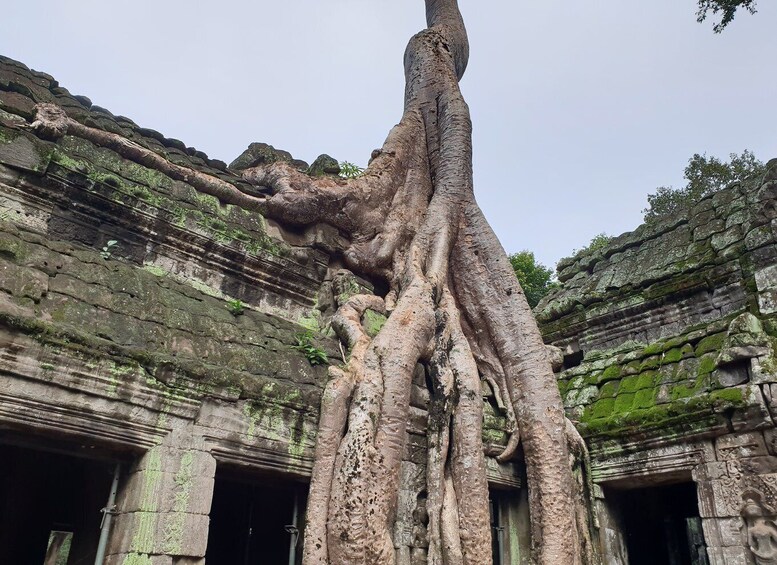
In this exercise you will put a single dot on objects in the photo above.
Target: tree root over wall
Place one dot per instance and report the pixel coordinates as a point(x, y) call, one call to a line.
point(453, 305)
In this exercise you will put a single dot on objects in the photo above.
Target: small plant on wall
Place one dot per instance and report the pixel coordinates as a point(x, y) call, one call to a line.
point(236, 307)
point(314, 355)
point(108, 250)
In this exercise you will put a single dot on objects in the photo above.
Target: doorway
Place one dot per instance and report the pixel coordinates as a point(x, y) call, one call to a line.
point(50, 506)
point(661, 524)
point(256, 522)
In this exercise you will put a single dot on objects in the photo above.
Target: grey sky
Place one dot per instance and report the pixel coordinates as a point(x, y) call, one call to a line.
point(580, 107)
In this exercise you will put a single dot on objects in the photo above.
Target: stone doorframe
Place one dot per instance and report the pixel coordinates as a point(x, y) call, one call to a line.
point(736, 485)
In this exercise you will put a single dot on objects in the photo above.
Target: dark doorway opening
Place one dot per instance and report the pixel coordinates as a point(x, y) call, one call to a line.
point(50, 506)
point(661, 524)
point(497, 529)
point(256, 522)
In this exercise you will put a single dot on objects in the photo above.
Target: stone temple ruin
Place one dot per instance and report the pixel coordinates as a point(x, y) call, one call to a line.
point(163, 358)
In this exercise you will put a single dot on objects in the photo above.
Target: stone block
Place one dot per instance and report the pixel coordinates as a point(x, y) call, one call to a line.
point(761, 373)
point(706, 499)
point(23, 153)
point(767, 301)
point(731, 531)
point(735, 556)
point(168, 459)
point(725, 500)
point(755, 415)
point(762, 465)
point(770, 438)
point(125, 558)
point(766, 278)
point(738, 446)
point(710, 471)
point(715, 555)
point(23, 282)
point(157, 491)
point(160, 533)
point(706, 230)
point(712, 534)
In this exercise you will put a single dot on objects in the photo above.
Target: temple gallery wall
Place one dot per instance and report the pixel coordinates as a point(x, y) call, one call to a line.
point(164, 355)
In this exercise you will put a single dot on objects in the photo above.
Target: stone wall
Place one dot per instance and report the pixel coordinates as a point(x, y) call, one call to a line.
point(669, 337)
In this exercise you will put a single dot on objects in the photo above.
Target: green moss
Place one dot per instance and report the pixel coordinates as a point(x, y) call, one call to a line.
point(623, 403)
point(491, 436)
point(610, 389)
point(155, 270)
point(7, 135)
point(645, 398)
point(706, 365)
point(610, 373)
point(137, 559)
point(672, 356)
point(630, 384)
point(12, 248)
point(652, 362)
point(712, 343)
point(373, 322)
point(733, 396)
point(601, 409)
point(311, 321)
point(75, 165)
point(652, 349)
point(648, 379)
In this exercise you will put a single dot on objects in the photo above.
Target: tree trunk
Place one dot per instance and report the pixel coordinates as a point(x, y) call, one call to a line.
point(454, 306)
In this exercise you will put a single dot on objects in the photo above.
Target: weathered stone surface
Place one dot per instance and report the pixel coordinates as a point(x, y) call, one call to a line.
point(324, 165)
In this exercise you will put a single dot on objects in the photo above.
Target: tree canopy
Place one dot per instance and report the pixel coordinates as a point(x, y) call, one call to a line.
point(727, 9)
point(705, 176)
point(536, 279)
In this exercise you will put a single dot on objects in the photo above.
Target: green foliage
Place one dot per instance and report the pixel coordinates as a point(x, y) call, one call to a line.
point(350, 171)
point(236, 307)
point(314, 355)
point(108, 250)
point(705, 176)
point(536, 279)
point(727, 8)
point(598, 241)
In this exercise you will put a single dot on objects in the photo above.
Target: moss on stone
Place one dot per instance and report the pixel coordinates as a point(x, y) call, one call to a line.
point(645, 398)
point(645, 380)
point(373, 322)
point(672, 356)
point(707, 364)
point(652, 349)
point(135, 558)
point(600, 409)
point(610, 373)
point(624, 403)
point(609, 389)
point(630, 384)
point(652, 362)
point(709, 344)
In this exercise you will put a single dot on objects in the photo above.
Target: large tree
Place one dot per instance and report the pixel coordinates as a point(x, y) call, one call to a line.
point(454, 307)
point(455, 312)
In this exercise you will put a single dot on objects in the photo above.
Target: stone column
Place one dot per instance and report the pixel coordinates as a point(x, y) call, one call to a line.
point(163, 505)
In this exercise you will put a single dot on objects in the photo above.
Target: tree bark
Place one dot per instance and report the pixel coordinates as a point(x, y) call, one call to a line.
point(455, 306)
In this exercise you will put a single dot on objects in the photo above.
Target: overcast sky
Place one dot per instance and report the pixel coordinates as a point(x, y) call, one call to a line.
point(580, 107)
